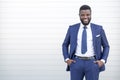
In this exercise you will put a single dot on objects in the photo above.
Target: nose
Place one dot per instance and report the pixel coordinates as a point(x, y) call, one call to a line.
point(85, 16)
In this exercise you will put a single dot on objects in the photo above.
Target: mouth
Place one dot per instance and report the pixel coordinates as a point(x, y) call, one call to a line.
point(85, 20)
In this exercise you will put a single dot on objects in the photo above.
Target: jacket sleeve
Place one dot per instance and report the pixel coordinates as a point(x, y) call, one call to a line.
point(65, 45)
point(105, 46)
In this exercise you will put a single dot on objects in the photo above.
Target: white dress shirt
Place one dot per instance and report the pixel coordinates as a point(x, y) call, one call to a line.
point(90, 49)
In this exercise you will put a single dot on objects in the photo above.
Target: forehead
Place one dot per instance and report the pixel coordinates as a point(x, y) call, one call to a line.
point(85, 11)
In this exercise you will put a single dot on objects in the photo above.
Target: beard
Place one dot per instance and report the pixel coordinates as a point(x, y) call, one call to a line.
point(85, 23)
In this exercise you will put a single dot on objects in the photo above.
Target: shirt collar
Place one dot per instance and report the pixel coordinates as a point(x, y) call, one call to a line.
point(88, 26)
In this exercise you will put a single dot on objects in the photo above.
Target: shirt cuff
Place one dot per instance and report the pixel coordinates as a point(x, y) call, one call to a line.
point(103, 61)
point(66, 59)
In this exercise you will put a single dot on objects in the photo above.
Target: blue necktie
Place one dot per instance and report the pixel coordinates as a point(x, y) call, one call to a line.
point(84, 41)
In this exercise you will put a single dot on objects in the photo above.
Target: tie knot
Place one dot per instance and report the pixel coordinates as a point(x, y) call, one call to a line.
point(85, 27)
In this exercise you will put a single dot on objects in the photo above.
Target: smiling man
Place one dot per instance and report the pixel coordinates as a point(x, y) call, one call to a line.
point(85, 48)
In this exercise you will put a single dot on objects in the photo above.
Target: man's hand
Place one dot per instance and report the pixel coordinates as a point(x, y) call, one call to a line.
point(99, 62)
point(70, 61)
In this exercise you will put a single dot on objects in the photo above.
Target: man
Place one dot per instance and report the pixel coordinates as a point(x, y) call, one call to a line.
point(85, 48)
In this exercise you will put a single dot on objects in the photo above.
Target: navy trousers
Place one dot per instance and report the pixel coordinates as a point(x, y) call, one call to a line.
point(84, 68)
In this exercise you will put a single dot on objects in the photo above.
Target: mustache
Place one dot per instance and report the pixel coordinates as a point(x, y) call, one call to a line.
point(82, 21)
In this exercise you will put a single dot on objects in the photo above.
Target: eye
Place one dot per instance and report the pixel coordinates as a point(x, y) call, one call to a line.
point(88, 14)
point(82, 15)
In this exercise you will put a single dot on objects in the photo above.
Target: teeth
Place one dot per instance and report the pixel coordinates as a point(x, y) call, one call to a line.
point(85, 20)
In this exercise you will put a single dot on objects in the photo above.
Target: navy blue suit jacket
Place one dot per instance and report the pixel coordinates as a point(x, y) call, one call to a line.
point(100, 43)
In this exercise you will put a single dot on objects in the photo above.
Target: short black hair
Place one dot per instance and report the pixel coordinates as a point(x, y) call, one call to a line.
point(84, 7)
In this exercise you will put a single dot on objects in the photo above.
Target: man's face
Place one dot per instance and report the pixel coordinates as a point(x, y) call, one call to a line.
point(85, 16)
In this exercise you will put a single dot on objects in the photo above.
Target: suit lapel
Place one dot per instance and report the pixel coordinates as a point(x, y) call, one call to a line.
point(94, 32)
point(74, 38)
point(76, 31)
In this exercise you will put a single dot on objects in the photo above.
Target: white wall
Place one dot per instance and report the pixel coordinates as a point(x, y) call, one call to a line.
point(32, 32)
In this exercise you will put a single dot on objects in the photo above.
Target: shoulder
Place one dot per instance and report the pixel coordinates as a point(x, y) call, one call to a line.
point(96, 26)
point(75, 25)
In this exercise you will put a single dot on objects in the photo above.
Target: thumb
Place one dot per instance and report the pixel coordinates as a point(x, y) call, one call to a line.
point(95, 61)
point(72, 60)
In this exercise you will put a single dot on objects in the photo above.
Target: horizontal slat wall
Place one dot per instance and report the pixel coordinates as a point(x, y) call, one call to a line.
point(32, 32)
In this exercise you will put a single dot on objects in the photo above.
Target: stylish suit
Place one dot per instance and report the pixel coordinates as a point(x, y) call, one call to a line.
point(100, 43)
